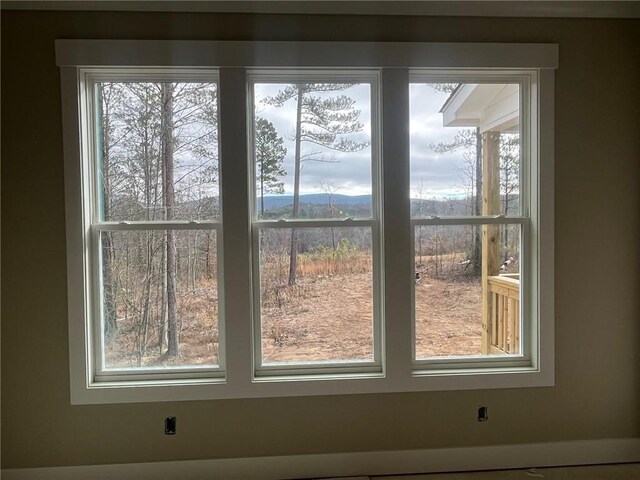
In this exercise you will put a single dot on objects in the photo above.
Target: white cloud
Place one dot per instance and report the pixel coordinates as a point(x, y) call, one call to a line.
point(440, 174)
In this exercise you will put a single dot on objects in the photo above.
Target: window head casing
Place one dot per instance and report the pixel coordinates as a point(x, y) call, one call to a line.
point(239, 371)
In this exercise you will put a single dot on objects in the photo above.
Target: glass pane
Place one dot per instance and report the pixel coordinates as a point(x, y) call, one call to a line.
point(450, 293)
point(157, 151)
point(325, 311)
point(465, 143)
point(313, 150)
point(160, 298)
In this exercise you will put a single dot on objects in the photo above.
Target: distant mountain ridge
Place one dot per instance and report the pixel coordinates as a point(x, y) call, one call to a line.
point(357, 204)
point(279, 201)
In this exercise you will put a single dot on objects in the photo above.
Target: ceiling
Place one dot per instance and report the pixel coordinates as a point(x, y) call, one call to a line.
point(503, 8)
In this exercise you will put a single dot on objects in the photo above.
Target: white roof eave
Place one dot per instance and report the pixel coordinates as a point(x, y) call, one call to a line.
point(492, 107)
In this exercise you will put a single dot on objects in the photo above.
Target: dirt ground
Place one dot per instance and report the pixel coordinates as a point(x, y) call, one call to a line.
point(332, 320)
point(325, 318)
point(448, 317)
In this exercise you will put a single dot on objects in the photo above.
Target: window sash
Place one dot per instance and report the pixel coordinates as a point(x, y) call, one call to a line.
point(159, 225)
point(96, 326)
point(526, 79)
point(88, 78)
point(330, 75)
point(319, 367)
point(527, 322)
point(308, 223)
point(475, 220)
point(289, 76)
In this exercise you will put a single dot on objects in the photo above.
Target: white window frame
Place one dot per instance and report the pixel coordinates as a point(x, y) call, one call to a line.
point(526, 81)
point(88, 78)
point(372, 78)
point(395, 62)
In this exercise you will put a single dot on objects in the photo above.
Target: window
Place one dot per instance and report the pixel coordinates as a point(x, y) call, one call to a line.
point(386, 212)
point(470, 217)
point(152, 215)
point(315, 151)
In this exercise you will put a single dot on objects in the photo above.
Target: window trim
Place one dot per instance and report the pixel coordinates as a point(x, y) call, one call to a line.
point(234, 59)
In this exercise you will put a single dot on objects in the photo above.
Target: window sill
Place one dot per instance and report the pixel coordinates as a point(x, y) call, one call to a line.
point(309, 385)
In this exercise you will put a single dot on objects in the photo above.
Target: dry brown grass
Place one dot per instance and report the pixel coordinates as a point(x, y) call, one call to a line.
point(198, 317)
point(327, 315)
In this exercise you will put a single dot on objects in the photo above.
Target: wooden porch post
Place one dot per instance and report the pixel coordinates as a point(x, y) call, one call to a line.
point(490, 233)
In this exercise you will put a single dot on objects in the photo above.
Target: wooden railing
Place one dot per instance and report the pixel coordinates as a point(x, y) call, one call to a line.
point(504, 313)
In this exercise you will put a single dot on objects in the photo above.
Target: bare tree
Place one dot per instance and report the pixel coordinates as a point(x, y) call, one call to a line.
point(109, 98)
point(509, 179)
point(330, 189)
point(421, 195)
point(173, 343)
point(470, 142)
point(445, 87)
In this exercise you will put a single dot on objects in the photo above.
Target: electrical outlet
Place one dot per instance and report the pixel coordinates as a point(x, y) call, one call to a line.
point(170, 426)
point(483, 413)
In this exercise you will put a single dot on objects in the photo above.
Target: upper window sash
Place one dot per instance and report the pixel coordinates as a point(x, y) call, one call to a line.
point(301, 76)
point(526, 79)
point(90, 79)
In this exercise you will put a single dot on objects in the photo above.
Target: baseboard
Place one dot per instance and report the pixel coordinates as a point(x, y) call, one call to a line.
point(581, 452)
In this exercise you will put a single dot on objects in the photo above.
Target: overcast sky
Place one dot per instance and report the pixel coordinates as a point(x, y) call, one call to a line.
point(350, 173)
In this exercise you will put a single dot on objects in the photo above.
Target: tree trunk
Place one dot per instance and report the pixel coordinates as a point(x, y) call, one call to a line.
point(261, 188)
point(477, 237)
point(293, 255)
point(110, 310)
point(110, 313)
point(162, 327)
point(147, 307)
point(208, 255)
point(173, 345)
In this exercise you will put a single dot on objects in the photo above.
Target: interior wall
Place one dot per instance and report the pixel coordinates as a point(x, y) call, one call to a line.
point(597, 392)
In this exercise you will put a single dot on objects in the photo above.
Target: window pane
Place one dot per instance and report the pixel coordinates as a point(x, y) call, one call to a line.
point(457, 132)
point(157, 151)
point(326, 313)
point(313, 150)
point(160, 309)
point(450, 293)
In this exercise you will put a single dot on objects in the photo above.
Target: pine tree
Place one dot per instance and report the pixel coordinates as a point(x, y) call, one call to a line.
point(270, 153)
point(323, 122)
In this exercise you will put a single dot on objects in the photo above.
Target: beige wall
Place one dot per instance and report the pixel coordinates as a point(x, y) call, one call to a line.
point(597, 392)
